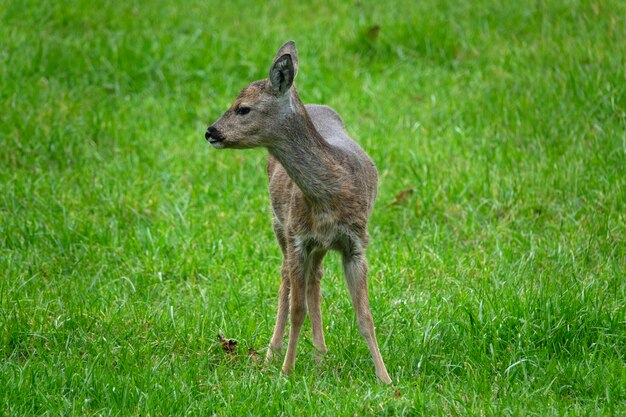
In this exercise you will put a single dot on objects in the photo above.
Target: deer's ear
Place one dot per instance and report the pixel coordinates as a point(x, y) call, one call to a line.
point(284, 68)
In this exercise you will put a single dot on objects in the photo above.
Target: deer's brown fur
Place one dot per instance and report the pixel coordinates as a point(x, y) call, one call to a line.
point(322, 191)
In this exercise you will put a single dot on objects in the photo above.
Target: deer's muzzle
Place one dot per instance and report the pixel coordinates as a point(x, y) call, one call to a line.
point(213, 135)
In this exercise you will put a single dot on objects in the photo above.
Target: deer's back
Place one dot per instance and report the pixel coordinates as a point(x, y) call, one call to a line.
point(329, 124)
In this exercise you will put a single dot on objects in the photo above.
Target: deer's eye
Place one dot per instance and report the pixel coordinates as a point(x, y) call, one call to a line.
point(242, 110)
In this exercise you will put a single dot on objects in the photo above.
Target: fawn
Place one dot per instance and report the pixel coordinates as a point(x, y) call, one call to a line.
point(322, 190)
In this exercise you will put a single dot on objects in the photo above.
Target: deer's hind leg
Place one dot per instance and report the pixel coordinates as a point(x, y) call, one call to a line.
point(355, 268)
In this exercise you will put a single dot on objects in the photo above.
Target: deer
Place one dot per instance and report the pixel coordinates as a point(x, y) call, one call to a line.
point(322, 188)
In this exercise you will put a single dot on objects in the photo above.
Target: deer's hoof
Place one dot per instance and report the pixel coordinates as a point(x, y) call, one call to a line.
point(319, 355)
point(384, 378)
point(272, 354)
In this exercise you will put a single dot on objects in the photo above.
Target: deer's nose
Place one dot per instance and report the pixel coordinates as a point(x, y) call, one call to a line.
point(213, 135)
point(210, 131)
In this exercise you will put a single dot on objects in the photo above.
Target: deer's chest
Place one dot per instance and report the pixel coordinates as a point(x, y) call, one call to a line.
point(305, 224)
point(319, 225)
point(322, 227)
point(324, 230)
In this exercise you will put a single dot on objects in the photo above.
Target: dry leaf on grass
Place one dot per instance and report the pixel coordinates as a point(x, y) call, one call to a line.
point(254, 356)
point(372, 32)
point(401, 196)
point(229, 345)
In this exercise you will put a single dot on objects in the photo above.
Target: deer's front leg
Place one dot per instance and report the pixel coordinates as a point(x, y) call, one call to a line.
point(276, 343)
point(314, 300)
point(296, 265)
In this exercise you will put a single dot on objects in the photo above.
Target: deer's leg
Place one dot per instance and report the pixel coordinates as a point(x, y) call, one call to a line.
point(314, 300)
point(276, 343)
point(296, 266)
point(355, 268)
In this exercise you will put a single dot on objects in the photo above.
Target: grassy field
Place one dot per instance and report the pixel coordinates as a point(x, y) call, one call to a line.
point(498, 253)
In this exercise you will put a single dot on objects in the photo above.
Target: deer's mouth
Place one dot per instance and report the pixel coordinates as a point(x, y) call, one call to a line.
point(218, 144)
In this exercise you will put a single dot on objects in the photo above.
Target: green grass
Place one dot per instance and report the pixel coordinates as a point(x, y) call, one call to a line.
point(126, 244)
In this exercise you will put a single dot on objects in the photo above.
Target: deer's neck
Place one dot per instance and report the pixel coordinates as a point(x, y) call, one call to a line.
point(308, 159)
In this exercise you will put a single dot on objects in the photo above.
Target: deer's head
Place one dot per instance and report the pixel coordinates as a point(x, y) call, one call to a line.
point(260, 109)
